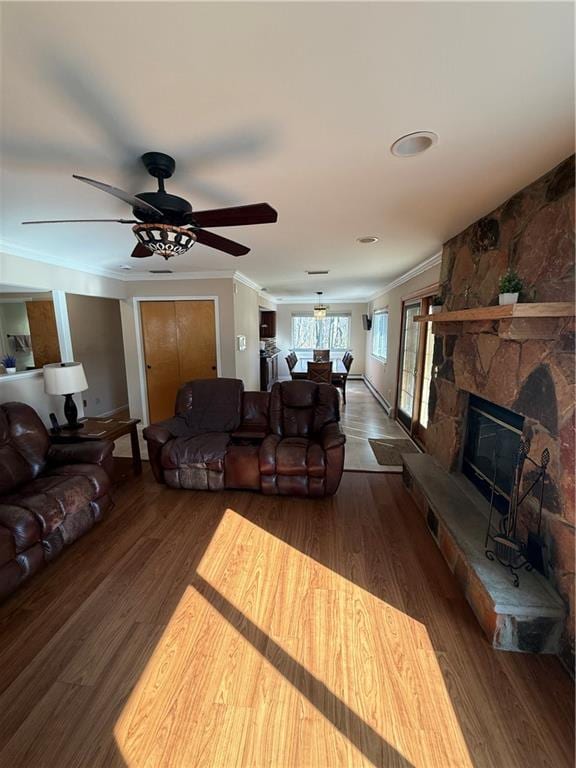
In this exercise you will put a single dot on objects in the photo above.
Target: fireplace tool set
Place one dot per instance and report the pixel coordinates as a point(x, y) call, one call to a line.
point(502, 544)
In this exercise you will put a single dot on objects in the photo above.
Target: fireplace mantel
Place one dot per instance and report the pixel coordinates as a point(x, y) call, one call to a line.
point(505, 312)
point(511, 321)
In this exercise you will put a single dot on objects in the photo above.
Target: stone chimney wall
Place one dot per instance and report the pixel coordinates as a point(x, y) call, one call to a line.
point(534, 374)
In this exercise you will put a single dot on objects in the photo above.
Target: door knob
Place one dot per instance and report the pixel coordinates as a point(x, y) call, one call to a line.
point(213, 367)
point(149, 367)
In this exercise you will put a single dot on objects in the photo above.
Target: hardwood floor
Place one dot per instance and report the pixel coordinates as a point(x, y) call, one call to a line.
point(231, 629)
point(363, 417)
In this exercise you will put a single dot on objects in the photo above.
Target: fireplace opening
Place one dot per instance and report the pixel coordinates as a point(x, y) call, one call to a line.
point(490, 449)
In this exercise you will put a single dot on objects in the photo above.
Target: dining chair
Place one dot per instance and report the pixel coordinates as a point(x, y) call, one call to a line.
point(320, 373)
point(340, 380)
point(291, 360)
point(321, 355)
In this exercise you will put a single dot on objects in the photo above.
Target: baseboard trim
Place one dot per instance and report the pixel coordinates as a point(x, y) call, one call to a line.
point(383, 402)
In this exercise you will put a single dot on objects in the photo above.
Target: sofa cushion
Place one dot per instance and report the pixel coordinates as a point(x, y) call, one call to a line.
point(97, 476)
point(22, 524)
point(208, 405)
point(206, 450)
point(291, 456)
point(302, 408)
point(24, 443)
point(7, 545)
point(52, 499)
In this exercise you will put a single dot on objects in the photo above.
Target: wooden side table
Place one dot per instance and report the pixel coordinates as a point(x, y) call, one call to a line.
point(104, 429)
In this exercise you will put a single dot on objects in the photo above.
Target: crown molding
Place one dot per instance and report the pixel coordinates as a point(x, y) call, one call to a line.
point(12, 249)
point(431, 261)
point(284, 301)
point(240, 277)
point(138, 277)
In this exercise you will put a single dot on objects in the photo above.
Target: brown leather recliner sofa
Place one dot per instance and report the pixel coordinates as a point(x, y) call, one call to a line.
point(50, 495)
point(284, 442)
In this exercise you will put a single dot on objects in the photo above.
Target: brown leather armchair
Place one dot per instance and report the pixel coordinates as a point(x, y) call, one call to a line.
point(304, 455)
point(50, 495)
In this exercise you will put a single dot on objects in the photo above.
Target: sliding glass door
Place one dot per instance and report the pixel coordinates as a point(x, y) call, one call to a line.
point(408, 363)
point(415, 369)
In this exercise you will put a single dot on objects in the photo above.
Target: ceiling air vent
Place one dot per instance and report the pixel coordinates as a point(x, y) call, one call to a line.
point(161, 271)
point(317, 271)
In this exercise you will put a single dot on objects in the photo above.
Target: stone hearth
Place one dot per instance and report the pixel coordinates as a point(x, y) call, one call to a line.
point(530, 371)
point(525, 618)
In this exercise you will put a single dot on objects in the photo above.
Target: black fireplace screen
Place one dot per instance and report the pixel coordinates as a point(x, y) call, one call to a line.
point(491, 447)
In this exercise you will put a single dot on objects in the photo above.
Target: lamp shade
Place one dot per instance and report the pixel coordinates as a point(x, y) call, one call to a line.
point(64, 378)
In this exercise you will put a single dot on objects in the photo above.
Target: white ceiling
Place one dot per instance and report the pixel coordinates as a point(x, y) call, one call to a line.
point(296, 104)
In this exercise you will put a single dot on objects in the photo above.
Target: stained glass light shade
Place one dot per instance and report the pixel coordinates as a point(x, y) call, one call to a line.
point(165, 239)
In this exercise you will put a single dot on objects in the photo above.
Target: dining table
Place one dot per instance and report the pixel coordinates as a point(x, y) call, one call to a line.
point(300, 370)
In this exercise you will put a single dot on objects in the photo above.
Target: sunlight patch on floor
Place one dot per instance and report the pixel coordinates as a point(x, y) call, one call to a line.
point(272, 658)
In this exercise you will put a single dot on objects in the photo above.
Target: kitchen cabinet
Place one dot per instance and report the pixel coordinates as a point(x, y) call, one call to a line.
point(267, 324)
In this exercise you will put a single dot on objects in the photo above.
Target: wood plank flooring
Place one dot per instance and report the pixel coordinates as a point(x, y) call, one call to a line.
point(192, 629)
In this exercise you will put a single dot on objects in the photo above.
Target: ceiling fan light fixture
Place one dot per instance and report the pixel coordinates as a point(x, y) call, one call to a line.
point(165, 239)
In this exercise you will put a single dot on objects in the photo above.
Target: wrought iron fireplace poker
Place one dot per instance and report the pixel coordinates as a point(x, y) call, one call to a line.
point(503, 544)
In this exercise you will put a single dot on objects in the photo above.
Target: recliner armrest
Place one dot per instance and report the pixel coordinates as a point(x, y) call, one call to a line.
point(87, 452)
point(156, 433)
point(332, 436)
point(267, 455)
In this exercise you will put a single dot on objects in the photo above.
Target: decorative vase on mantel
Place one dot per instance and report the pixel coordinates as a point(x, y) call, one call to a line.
point(508, 298)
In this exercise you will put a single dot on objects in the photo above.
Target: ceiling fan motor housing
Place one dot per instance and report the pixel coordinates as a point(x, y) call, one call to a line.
point(174, 208)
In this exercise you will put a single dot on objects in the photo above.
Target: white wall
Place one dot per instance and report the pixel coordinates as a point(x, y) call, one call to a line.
point(383, 375)
point(247, 323)
point(357, 333)
point(29, 273)
point(96, 334)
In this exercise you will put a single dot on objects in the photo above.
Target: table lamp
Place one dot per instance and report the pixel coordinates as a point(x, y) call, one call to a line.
point(66, 379)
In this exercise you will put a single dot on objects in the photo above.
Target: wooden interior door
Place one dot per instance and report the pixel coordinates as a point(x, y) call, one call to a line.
point(160, 337)
point(179, 345)
point(196, 327)
point(43, 332)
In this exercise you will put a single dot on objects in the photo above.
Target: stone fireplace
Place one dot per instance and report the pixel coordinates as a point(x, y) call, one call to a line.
point(524, 365)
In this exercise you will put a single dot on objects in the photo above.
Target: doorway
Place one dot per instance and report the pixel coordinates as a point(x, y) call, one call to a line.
point(179, 344)
point(415, 368)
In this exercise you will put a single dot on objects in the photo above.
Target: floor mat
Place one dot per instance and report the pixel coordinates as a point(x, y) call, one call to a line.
point(388, 451)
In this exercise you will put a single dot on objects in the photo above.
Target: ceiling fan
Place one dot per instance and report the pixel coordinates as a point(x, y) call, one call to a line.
point(166, 224)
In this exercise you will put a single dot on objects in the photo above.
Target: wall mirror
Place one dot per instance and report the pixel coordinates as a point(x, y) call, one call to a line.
point(28, 331)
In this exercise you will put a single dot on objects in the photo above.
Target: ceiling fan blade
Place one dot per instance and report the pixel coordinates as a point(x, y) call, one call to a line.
point(82, 221)
point(259, 213)
point(220, 243)
point(141, 252)
point(132, 200)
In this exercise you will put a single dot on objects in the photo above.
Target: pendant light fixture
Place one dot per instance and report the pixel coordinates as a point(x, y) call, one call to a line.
point(320, 308)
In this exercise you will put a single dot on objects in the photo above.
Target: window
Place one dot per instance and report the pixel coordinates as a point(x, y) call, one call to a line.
point(380, 334)
point(330, 332)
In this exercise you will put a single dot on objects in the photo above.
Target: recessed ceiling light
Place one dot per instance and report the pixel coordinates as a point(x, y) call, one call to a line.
point(367, 239)
point(127, 267)
point(317, 271)
point(161, 271)
point(413, 143)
